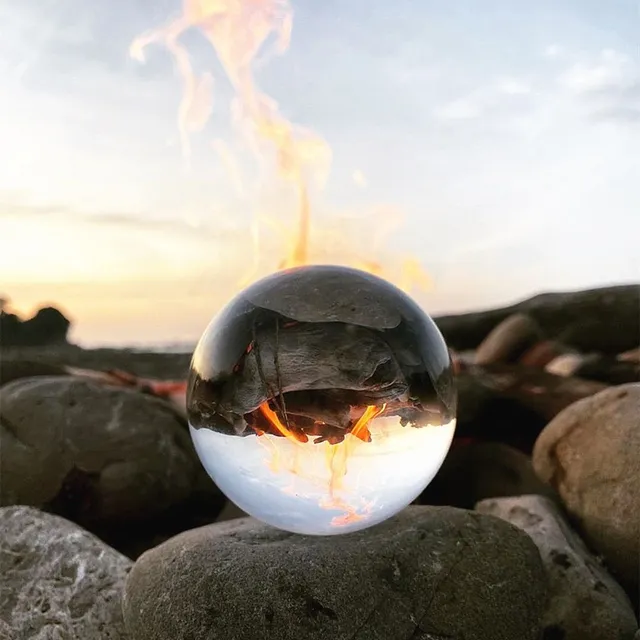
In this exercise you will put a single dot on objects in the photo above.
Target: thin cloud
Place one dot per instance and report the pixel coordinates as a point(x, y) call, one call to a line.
point(610, 70)
point(12, 208)
point(553, 51)
point(608, 86)
point(504, 94)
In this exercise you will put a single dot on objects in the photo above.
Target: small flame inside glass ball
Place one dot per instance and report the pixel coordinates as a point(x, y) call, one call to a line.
point(321, 400)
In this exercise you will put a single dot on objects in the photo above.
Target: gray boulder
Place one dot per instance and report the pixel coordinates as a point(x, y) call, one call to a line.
point(6, 632)
point(590, 453)
point(57, 581)
point(90, 452)
point(430, 572)
point(585, 602)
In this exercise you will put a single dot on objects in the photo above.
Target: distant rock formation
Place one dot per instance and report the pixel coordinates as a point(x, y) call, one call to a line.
point(606, 320)
point(47, 327)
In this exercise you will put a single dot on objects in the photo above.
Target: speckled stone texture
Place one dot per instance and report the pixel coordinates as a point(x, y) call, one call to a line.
point(57, 581)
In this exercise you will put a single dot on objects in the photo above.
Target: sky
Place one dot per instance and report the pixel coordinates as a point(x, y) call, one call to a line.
point(494, 142)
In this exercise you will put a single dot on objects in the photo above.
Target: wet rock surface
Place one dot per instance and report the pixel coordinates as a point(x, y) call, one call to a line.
point(585, 602)
point(427, 573)
point(57, 580)
point(589, 453)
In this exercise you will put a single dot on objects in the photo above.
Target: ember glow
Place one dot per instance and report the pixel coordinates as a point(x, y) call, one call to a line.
point(239, 31)
point(336, 449)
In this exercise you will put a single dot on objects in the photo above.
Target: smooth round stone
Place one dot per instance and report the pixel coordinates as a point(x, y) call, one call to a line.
point(429, 572)
point(590, 453)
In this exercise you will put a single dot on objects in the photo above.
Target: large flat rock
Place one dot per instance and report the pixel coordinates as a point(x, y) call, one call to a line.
point(429, 573)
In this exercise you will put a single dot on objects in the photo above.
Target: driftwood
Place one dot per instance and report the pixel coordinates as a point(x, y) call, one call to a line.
point(605, 320)
point(306, 357)
point(543, 392)
point(512, 404)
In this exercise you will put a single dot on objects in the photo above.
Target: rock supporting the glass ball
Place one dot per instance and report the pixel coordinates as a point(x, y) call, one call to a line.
point(321, 399)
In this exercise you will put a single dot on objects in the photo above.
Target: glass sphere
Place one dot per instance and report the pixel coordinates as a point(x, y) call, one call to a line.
point(321, 400)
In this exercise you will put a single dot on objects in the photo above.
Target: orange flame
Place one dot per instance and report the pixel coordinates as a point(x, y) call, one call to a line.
point(337, 455)
point(238, 31)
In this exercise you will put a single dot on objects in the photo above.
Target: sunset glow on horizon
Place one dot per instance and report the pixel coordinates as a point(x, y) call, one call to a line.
point(493, 148)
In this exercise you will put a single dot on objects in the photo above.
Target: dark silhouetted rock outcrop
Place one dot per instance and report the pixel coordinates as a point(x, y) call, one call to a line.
point(47, 327)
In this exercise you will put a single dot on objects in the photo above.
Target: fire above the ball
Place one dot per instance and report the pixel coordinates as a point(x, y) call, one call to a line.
point(342, 383)
point(243, 33)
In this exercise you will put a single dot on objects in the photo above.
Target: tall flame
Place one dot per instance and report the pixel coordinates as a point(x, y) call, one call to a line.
point(238, 30)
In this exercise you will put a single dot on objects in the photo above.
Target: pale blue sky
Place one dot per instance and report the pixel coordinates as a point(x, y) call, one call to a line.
point(506, 132)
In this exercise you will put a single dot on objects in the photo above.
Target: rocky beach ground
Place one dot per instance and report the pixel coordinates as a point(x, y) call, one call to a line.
point(110, 528)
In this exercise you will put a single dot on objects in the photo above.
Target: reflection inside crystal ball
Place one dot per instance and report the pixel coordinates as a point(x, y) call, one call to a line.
point(321, 400)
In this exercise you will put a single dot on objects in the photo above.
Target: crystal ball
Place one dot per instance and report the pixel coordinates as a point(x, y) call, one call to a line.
point(321, 400)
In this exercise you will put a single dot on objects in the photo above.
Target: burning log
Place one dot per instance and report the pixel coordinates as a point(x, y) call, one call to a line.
point(300, 347)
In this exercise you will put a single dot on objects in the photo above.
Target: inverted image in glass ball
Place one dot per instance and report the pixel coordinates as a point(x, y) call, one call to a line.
point(321, 400)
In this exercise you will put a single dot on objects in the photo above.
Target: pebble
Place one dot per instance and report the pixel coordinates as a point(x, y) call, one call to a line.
point(542, 353)
point(589, 454)
point(57, 581)
point(565, 365)
point(429, 572)
point(585, 602)
point(509, 340)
